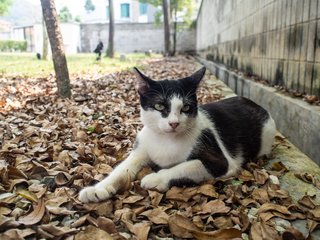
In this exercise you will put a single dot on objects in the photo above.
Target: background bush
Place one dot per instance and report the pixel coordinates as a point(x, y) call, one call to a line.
point(10, 45)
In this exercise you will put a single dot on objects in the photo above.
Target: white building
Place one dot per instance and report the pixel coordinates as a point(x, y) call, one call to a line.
point(124, 11)
point(5, 30)
point(34, 36)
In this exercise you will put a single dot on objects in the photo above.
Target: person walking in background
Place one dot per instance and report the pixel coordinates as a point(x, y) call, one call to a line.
point(98, 50)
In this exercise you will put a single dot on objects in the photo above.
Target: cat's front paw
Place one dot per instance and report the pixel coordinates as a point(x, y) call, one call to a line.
point(96, 194)
point(155, 181)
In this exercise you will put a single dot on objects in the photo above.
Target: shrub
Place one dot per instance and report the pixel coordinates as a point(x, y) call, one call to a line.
point(11, 45)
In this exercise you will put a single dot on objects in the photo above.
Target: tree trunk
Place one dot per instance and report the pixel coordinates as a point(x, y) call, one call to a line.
point(175, 26)
point(57, 49)
point(45, 42)
point(174, 38)
point(110, 49)
point(166, 21)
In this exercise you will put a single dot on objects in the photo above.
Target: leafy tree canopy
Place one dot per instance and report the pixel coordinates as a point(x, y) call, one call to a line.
point(182, 9)
point(89, 7)
point(65, 15)
point(77, 18)
point(4, 6)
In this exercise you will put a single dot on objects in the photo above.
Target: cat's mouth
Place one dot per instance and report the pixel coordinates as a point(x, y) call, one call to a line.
point(171, 131)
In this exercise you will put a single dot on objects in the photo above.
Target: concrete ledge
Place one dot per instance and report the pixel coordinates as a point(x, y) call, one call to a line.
point(296, 120)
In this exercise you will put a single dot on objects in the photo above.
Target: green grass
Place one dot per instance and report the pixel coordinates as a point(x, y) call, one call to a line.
point(28, 65)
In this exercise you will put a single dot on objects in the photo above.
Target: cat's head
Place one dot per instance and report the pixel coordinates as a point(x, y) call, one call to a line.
point(169, 106)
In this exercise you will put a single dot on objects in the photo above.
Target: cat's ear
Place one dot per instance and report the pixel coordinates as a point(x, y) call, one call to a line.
point(198, 76)
point(144, 82)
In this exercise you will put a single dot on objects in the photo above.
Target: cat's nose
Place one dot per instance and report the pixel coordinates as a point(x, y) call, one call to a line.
point(174, 125)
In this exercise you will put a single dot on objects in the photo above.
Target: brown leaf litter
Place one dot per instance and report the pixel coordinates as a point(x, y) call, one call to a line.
point(50, 148)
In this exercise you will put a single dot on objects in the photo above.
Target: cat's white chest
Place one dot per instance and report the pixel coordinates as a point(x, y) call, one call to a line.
point(166, 150)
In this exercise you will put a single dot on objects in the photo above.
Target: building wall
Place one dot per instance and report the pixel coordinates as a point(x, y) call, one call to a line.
point(70, 34)
point(277, 40)
point(133, 37)
point(100, 13)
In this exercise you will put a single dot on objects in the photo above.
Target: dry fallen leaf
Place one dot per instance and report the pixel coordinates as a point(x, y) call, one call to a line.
point(140, 230)
point(308, 201)
point(181, 226)
point(260, 195)
point(28, 195)
point(16, 234)
point(222, 234)
point(92, 233)
point(180, 194)
point(107, 225)
point(35, 216)
point(260, 176)
point(274, 208)
point(214, 207)
point(292, 234)
point(54, 231)
point(157, 216)
point(261, 231)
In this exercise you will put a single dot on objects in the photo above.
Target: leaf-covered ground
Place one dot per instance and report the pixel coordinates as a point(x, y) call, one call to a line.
point(50, 148)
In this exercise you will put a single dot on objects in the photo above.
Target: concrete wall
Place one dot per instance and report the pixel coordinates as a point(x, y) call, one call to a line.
point(133, 37)
point(100, 13)
point(70, 34)
point(276, 40)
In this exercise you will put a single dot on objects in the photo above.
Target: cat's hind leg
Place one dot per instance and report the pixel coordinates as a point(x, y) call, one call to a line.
point(189, 171)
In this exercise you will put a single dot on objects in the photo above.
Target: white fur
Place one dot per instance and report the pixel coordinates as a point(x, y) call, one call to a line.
point(169, 149)
point(193, 170)
point(126, 170)
point(267, 136)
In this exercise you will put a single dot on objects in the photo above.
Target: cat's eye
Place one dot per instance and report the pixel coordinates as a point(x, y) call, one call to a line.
point(185, 108)
point(159, 107)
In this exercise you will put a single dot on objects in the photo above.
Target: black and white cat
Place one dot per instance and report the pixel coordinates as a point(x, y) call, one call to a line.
point(189, 143)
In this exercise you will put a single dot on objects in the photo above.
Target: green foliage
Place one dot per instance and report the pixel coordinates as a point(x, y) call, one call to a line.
point(77, 18)
point(4, 6)
point(89, 7)
point(183, 8)
point(10, 45)
point(65, 15)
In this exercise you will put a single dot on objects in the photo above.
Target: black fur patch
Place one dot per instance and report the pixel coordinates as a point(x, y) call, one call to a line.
point(155, 167)
point(209, 153)
point(239, 123)
point(182, 182)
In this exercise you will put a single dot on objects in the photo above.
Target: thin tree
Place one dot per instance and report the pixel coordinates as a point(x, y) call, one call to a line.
point(175, 24)
point(166, 21)
point(110, 48)
point(183, 8)
point(57, 49)
point(44, 41)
